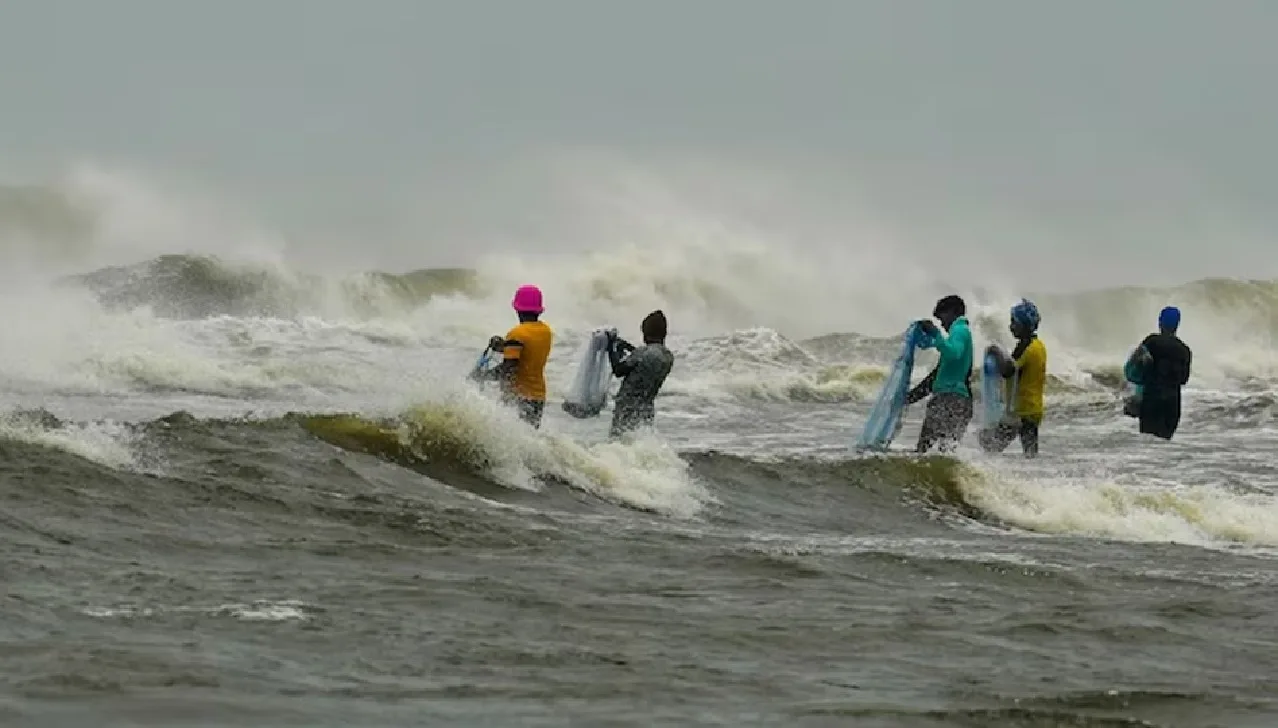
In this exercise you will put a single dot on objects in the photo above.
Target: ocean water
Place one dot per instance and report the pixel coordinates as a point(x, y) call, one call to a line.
point(236, 493)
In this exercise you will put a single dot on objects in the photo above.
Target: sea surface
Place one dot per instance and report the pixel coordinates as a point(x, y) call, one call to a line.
point(234, 497)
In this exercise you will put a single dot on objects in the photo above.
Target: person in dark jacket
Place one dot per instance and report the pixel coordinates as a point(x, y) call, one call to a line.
point(1163, 361)
point(642, 371)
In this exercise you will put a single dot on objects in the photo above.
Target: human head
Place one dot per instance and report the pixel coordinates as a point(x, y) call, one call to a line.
point(948, 310)
point(1169, 320)
point(1025, 319)
point(527, 303)
point(654, 327)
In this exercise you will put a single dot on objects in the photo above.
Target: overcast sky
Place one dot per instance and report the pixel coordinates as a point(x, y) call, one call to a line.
point(1139, 133)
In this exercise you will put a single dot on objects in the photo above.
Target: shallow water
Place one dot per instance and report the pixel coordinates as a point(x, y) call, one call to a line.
point(227, 565)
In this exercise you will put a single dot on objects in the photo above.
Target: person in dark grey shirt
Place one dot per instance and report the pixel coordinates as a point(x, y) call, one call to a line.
point(642, 371)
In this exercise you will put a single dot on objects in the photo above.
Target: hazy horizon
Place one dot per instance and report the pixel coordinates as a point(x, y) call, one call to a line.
point(1071, 146)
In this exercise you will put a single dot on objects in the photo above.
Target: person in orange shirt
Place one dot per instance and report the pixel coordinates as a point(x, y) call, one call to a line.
point(525, 349)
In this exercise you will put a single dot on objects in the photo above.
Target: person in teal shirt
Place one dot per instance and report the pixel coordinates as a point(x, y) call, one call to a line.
point(949, 411)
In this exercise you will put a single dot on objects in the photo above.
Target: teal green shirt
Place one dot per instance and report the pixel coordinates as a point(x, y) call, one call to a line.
point(956, 358)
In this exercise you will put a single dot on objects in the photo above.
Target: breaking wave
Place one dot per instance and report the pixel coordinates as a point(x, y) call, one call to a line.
point(194, 287)
point(182, 258)
point(470, 443)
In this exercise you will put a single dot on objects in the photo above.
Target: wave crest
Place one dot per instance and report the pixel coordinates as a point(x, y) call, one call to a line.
point(469, 439)
point(197, 286)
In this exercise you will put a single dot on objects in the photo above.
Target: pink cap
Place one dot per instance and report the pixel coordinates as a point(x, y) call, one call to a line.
point(528, 300)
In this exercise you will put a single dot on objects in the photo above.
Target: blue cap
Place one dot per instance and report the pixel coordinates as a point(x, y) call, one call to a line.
point(1026, 314)
point(1169, 318)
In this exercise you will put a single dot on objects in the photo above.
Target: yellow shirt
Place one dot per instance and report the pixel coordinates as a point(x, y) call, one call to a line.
point(1031, 378)
point(529, 343)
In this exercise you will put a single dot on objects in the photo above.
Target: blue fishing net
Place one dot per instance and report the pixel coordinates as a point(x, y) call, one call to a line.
point(994, 402)
point(589, 391)
point(885, 419)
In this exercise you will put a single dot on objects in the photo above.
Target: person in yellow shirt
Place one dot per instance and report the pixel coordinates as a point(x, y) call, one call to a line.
point(1026, 370)
point(525, 349)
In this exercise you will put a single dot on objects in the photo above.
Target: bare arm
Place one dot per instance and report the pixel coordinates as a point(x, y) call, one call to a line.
point(923, 389)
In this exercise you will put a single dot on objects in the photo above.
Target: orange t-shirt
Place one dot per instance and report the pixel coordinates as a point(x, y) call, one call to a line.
point(530, 343)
